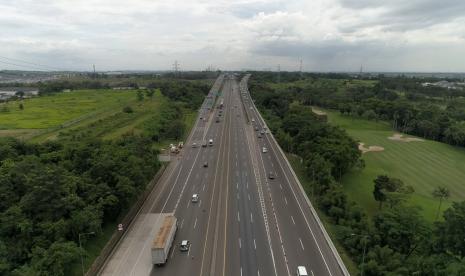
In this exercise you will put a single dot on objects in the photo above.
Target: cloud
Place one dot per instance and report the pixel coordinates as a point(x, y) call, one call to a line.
point(335, 35)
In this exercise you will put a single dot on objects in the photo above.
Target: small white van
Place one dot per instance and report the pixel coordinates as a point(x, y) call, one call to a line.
point(302, 271)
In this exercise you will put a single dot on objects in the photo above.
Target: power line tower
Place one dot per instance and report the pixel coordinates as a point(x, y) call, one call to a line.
point(279, 72)
point(176, 68)
point(300, 68)
point(361, 71)
point(94, 75)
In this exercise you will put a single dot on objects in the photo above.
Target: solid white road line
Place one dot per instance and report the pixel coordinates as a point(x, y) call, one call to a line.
point(240, 243)
point(238, 218)
point(293, 220)
point(301, 244)
point(254, 244)
point(195, 223)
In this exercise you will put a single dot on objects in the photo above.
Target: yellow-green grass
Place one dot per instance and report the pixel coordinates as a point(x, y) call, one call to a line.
point(423, 165)
point(55, 110)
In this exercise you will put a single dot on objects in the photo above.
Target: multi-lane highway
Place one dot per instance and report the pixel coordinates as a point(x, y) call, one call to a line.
point(244, 222)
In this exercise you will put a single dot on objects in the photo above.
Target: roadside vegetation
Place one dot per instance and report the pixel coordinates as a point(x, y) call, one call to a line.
point(97, 153)
point(391, 235)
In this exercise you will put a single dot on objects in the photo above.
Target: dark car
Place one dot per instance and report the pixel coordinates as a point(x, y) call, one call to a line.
point(271, 175)
point(205, 164)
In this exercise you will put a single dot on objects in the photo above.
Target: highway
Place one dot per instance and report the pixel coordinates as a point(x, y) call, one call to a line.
point(244, 223)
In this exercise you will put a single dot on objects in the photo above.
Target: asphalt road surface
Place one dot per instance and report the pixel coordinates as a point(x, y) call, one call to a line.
point(244, 223)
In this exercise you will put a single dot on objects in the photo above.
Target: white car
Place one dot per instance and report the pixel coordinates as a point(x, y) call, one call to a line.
point(195, 198)
point(194, 145)
point(185, 245)
point(302, 271)
point(264, 150)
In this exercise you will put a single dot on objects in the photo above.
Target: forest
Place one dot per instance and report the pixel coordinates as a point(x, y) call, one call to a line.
point(397, 241)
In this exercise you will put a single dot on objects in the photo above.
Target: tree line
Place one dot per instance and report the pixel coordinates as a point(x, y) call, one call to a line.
point(397, 240)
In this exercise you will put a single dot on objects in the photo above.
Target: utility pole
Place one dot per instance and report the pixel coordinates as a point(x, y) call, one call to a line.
point(300, 68)
point(361, 71)
point(94, 75)
point(176, 68)
point(80, 248)
point(279, 73)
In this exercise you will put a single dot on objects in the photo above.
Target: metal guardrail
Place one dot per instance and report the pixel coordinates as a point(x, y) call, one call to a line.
point(328, 240)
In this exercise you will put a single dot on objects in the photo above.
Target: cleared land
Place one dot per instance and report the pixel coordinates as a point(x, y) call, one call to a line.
point(423, 165)
point(95, 112)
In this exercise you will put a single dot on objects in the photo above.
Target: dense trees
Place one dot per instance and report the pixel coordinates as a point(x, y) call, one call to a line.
point(50, 193)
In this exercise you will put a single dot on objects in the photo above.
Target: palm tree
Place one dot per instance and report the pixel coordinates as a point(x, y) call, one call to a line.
point(441, 193)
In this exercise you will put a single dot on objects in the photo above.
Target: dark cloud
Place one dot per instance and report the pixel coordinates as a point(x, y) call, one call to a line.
point(404, 15)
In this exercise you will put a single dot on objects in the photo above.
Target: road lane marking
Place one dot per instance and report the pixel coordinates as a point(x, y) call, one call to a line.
point(254, 244)
point(301, 244)
point(293, 220)
point(238, 218)
point(248, 196)
point(195, 223)
point(240, 243)
point(281, 187)
point(251, 218)
point(182, 222)
point(285, 199)
point(203, 188)
point(200, 203)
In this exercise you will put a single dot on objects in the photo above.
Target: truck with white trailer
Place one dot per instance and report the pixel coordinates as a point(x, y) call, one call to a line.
point(163, 240)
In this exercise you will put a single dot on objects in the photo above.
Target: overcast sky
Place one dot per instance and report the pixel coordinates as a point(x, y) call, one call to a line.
point(328, 35)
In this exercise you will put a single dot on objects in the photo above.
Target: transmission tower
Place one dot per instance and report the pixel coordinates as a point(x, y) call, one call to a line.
point(176, 68)
point(300, 68)
point(279, 72)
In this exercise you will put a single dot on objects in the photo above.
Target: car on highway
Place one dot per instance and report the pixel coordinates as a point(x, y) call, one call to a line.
point(301, 271)
point(205, 164)
point(194, 145)
point(210, 142)
point(256, 128)
point(253, 120)
point(271, 175)
point(195, 198)
point(259, 135)
point(217, 119)
point(185, 245)
point(204, 144)
point(264, 150)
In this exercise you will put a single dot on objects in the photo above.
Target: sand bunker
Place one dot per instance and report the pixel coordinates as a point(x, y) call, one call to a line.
point(399, 137)
point(363, 149)
point(318, 112)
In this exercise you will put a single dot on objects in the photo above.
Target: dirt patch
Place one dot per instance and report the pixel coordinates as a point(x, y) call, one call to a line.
point(400, 137)
point(363, 149)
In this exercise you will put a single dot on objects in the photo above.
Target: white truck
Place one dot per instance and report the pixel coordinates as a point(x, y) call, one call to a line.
point(164, 238)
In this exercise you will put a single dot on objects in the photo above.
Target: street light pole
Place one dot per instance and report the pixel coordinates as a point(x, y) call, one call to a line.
point(364, 250)
point(363, 256)
point(80, 248)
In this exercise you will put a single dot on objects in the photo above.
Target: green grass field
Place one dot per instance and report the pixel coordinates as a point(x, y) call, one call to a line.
point(423, 165)
point(54, 110)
